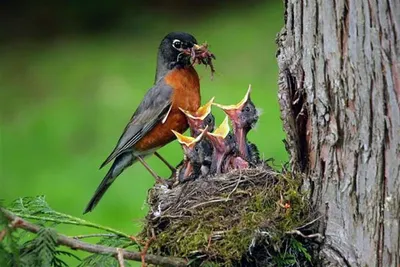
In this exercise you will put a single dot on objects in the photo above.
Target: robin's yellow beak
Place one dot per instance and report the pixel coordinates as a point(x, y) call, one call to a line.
point(197, 47)
point(238, 105)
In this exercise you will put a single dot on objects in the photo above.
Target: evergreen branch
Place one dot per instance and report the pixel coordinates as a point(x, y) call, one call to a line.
point(93, 235)
point(72, 220)
point(92, 248)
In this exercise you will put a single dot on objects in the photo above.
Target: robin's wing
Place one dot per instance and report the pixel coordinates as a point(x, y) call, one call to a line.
point(154, 108)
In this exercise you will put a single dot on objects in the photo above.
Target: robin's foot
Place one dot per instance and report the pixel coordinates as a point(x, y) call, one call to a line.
point(172, 176)
point(160, 180)
point(173, 170)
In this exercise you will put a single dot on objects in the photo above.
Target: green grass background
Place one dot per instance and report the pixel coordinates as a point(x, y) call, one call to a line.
point(65, 103)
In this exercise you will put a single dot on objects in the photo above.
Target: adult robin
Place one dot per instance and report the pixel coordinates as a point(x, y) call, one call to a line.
point(176, 86)
point(198, 153)
point(224, 145)
point(244, 117)
point(200, 119)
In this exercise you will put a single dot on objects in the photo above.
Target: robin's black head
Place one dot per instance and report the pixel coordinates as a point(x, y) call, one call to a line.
point(175, 48)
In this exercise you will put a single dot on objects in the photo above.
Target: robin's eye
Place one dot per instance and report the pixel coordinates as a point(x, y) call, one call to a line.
point(196, 149)
point(209, 120)
point(177, 44)
point(247, 109)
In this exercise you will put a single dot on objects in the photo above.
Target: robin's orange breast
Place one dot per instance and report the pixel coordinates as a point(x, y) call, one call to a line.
point(186, 95)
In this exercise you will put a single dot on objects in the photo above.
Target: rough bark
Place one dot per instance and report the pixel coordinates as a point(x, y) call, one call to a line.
point(340, 97)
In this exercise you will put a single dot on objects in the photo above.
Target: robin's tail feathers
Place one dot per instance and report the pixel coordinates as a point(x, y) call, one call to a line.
point(120, 164)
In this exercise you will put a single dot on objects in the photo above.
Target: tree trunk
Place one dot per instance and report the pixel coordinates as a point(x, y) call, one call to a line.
point(340, 104)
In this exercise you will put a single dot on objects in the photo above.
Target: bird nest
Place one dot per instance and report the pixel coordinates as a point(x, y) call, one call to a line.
point(241, 218)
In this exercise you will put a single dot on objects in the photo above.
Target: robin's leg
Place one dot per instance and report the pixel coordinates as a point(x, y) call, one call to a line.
point(165, 161)
point(158, 178)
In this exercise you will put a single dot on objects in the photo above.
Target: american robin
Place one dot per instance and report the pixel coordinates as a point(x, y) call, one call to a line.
point(224, 145)
point(243, 116)
point(198, 155)
point(176, 86)
point(200, 119)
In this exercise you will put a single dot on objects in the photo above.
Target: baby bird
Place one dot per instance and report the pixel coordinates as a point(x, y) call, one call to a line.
point(200, 119)
point(197, 156)
point(223, 144)
point(243, 116)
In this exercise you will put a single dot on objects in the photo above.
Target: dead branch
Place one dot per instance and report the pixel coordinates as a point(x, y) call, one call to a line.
point(120, 257)
point(63, 240)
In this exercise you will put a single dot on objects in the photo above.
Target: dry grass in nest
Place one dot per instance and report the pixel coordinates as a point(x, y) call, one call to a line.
point(242, 217)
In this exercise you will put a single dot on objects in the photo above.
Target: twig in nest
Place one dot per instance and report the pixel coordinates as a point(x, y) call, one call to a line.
point(236, 186)
point(209, 202)
point(297, 232)
point(309, 223)
point(120, 257)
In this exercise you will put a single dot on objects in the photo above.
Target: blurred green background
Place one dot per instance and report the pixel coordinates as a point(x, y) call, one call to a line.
point(70, 78)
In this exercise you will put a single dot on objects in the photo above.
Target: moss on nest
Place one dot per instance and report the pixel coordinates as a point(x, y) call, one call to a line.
point(239, 218)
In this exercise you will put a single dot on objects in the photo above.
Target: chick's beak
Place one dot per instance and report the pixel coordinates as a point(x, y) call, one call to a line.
point(217, 142)
point(217, 138)
point(204, 110)
point(233, 111)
